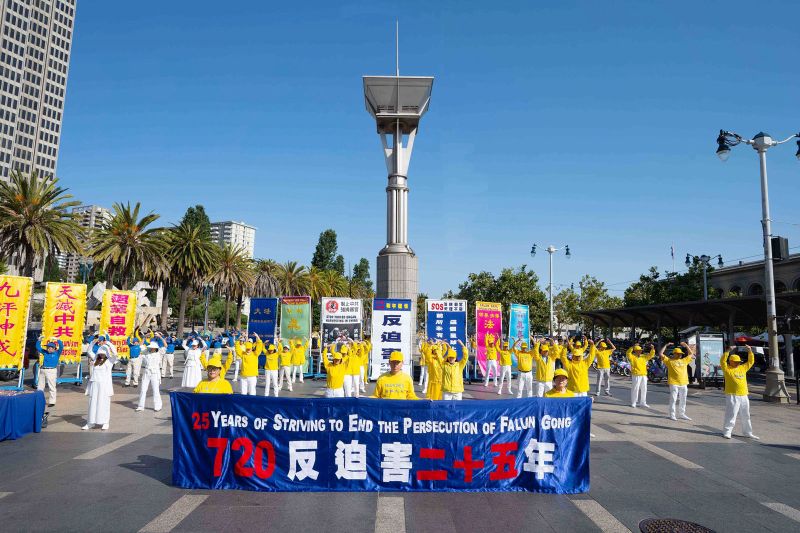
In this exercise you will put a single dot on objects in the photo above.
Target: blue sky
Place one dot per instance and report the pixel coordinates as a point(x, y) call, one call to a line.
point(591, 124)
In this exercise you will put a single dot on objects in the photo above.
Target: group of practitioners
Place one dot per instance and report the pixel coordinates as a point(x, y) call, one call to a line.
point(550, 368)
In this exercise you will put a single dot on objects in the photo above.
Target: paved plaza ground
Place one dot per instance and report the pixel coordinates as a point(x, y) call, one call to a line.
point(642, 466)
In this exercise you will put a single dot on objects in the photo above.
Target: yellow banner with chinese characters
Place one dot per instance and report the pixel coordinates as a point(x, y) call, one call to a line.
point(64, 318)
point(117, 318)
point(15, 301)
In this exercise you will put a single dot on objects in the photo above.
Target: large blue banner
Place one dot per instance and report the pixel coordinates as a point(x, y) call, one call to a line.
point(330, 444)
point(263, 318)
point(446, 320)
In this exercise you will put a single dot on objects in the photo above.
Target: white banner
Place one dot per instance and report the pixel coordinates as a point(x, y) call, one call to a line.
point(341, 320)
point(391, 331)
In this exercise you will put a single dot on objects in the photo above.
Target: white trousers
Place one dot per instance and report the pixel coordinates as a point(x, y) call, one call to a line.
point(525, 380)
point(505, 374)
point(134, 367)
point(491, 364)
point(733, 406)
point(677, 394)
point(451, 396)
point(364, 379)
point(168, 360)
point(423, 377)
point(297, 370)
point(47, 376)
point(577, 394)
point(272, 377)
point(334, 393)
point(248, 385)
point(283, 373)
point(603, 374)
point(147, 381)
point(351, 386)
point(235, 369)
point(542, 387)
point(639, 390)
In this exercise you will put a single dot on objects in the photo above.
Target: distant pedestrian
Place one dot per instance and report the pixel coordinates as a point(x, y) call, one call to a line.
point(736, 392)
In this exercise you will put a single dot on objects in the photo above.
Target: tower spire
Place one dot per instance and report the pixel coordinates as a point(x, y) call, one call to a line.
point(397, 46)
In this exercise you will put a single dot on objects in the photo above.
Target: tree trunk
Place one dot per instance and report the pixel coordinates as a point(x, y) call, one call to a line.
point(182, 312)
point(227, 309)
point(29, 263)
point(239, 302)
point(164, 305)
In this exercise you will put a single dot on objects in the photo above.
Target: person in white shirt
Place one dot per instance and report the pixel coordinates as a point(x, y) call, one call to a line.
point(193, 368)
point(151, 361)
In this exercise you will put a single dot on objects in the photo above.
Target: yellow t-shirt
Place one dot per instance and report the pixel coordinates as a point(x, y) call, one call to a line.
point(505, 357)
point(639, 362)
point(524, 361)
point(545, 364)
point(272, 360)
point(335, 373)
point(553, 393)
point(395, 387)
point(676, 370)
point(299, 354)
point(453, 375)
point(578, 372)
point(435, 363)
point(285, 357)
point(604, 358)
point(736, 378)
point(219, 386)
point(249, 359)
point(354, 361)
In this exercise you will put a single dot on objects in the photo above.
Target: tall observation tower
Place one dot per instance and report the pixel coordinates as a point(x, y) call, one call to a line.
point(397, 104)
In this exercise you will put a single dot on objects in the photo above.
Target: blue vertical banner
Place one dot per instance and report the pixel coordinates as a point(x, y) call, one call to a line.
point(519, 325)
point(263, 318)
point(391, 332)
point(446, 320)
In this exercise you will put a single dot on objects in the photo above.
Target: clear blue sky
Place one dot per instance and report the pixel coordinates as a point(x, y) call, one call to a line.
point(586, 123)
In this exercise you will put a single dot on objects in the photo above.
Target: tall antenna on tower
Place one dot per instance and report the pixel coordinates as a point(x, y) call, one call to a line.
point(397, 45)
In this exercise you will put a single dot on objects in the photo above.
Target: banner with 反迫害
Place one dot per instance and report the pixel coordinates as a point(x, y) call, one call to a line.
point(340, 319)
point(488, 324)
point(446, 320)
point(296, 322)
point(263, 318)
point(15, 301)
point(391, 332)
point(118, 317)
point(227, 441)
point(64, 317)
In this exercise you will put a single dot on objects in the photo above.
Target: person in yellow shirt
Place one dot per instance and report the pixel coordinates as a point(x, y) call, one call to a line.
point(215, 384)
point(335, 370)
point(285, 360)
point(736, 392)
point(603, 353)
point(578, 369)
point(559, 388)
point(491, 358)
point(578, 346)
point(423, 365)
point(298, 349)
point(365, 355)
point(504, 354)
point(677, 377)
point(453, 373)
point(435, 370)
point(248, 353)
point(545, 365)
point(525, 367)
point(638, 362)
point(271, 367)
point(352, 373)
point(395, 384)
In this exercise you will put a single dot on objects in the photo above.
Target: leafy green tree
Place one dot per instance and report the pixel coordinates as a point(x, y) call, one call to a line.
point(653, 288)
point(421, 311)
point(35, 220)
point(324, 257)
point(232, 275)
point(196, 217)
point(338, 265)
point(566, 308)
point(361, 274)
point(52, 272)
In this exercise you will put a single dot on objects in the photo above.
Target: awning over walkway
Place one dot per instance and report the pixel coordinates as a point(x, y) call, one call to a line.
point(746, 311)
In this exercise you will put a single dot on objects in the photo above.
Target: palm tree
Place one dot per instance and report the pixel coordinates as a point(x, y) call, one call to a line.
point(127, 246)
point(293, 279)
point(266, 281)
point(193, 257)
point(35, 220)
point(232, 275)
point(318, 284)
point(335, 283)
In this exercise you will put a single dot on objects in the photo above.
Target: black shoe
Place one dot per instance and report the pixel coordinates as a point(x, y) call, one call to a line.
point(51, 405)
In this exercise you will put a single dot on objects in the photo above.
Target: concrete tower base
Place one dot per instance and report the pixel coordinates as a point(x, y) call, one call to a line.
point(397, 278)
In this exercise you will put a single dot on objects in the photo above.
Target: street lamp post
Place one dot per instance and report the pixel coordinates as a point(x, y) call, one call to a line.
point(704, 260)
point(551, 250)
point(775, 390)
point(207, 291)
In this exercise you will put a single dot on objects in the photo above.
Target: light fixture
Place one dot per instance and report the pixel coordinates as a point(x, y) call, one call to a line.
point(567, 249)
point(720, 264)
point(797, 155)
point(533, 251)
point(723, 149)
point(688, 261)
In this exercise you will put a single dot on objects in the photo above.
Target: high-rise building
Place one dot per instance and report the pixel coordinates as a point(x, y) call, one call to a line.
point(35, 47)
point(235, 234)
point(90, 217)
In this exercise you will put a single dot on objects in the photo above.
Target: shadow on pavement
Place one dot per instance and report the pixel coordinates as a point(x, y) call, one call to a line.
point(690, 429)
point(153, 467)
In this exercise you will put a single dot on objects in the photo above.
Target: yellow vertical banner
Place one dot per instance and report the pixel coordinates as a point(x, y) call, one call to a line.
point(117, 318)
point(15, 301)
point(64, 317)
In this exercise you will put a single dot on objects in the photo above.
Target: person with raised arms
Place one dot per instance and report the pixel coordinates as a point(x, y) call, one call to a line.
point(100, 388)
point(677, 378)
point(504, 354)
point(545, 355)
point(395, 384)
point(491, 358)
point(525, 366)
point(134, 366)
point(335, 369)
point(49, 358)
point(169, 357)
point(193, 347)
point(423, 365)
point(435, 370)
point(578, 367)
point(215, 383)
point(352, 374)
point(639, 373)
point(151, 362)
point(271, 368)
point(285, 359)
point(736, 392)
point(299, 348)
point(365, 355)
point(453, 373)
point(603, 353)
point(248, 355)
